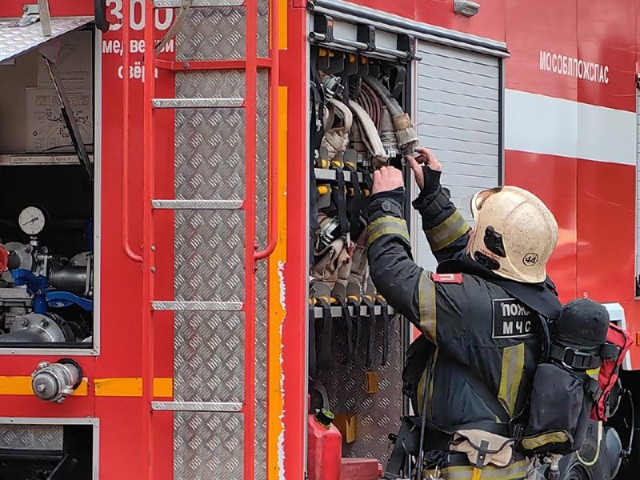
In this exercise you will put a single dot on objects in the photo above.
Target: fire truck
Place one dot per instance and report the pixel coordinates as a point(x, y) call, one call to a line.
point(160, 171)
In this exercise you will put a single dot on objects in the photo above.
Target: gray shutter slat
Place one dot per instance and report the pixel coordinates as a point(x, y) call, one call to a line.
point(471, 78)
point(453, 53)
point(426, 108)
point(454, 132)
point(457, 100)
point(458, 117)
point(448, 121)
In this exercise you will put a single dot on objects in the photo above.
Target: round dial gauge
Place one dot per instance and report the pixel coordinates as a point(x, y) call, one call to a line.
point(31, 220)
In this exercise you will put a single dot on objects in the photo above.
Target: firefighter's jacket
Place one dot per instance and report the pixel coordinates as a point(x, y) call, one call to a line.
point(484, 343)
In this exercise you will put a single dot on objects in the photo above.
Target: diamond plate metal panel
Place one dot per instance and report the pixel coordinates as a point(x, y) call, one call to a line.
point(207, 446)
point(262, 151)
point(196, 3)
point(210, 84)
point(263, 28)
point(212, 34)
point(209, 155)
point(197, 204)
point(209, 252)
point(220, 33)
point(201, 306)
point(210, 163)
point(210, 147)
point(31, 437)
point(15, 40)
point(227, 407)
point(377, 414)
point(208, 357)
point(234, 102)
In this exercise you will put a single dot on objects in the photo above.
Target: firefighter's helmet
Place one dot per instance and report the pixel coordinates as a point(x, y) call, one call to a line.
point(514, 234)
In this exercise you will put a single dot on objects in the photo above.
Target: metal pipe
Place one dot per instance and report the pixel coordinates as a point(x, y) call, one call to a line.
point(274, 83)
point(125, 136)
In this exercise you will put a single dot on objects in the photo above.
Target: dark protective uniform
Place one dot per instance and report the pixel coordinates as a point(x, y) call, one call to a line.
point(484, 341)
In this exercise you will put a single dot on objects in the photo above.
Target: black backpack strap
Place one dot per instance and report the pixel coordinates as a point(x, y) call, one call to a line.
point(348, 318)
point(324, 335)
point(338, 197)
point(386, 327)
point(405, 444)
point(355, 207)
point(355, 301)
point(369, 329)
point(312, 337)
point(575, 359)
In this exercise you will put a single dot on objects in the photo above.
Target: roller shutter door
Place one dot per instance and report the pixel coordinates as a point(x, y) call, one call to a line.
point(458, 115)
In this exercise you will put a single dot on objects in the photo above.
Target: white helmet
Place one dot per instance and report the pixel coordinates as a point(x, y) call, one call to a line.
point(514, 234)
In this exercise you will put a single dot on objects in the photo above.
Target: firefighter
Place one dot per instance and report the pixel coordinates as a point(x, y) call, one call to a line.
point(469, 373)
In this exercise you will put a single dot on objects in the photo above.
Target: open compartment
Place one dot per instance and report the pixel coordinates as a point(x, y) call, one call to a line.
point(48, 194)
point(32, 449)
point(360, 120)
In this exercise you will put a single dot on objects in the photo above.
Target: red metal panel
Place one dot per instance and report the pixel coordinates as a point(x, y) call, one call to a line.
point(606, 36)
point(579, 29)
point(606, 231)
point(121, 440)
point(294, 362)
point(533, 26)
point(632, 317)
point(121, 355)
point(489, 22)
point(553, 179)
point(57, 8)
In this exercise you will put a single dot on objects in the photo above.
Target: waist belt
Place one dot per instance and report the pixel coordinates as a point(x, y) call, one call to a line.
point(516, 471)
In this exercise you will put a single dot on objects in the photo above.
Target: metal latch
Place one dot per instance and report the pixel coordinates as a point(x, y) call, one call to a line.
point(33, 13)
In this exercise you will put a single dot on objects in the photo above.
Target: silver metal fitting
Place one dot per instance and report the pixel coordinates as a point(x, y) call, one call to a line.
point(54, 382)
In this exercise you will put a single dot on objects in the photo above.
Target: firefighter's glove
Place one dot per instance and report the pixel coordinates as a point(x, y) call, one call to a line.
point(426, 170)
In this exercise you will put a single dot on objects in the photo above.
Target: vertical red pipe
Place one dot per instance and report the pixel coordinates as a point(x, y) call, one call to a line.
point(147, 240)
point(274, 83)
point(251, 81)
point(125, 133)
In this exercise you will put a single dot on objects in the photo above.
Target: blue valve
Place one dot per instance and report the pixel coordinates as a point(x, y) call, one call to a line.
point(58, 299)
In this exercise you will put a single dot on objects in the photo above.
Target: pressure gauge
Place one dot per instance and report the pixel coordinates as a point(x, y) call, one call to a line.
point(31, 220)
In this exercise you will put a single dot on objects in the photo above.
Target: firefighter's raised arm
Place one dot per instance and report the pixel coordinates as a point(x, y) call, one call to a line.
point(407, 287)
point(393, 271)
point(447, 232)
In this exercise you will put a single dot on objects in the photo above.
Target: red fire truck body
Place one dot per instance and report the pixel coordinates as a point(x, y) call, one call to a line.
point(563, 76)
